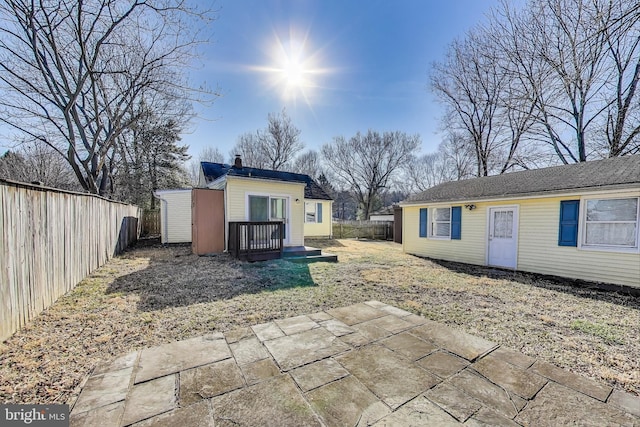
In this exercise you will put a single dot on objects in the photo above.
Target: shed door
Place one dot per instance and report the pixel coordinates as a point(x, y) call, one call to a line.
point(503, 237)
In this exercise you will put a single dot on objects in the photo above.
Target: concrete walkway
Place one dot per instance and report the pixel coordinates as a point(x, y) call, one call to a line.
point(366, 364)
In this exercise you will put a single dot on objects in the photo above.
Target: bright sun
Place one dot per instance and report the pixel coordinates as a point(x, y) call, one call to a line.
point(293, 68)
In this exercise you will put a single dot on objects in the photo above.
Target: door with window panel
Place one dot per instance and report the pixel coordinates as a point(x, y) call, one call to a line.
point(503, 244)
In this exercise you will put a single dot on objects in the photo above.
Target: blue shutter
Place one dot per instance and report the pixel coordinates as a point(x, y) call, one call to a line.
point(423, 222)
point(456, 222)
point(319, 213)
point(568, 231)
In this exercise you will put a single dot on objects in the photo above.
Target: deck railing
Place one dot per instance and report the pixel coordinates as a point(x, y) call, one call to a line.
point(256, 241)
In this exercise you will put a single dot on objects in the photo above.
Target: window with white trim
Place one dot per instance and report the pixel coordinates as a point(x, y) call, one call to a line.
point(310, 212)
point(440, 226)
point(611, 223)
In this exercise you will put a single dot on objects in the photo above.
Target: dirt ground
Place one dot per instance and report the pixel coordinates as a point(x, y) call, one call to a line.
point(152, 295)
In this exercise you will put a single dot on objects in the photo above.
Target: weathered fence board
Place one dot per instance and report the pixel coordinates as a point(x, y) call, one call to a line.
point(380, 230)
point(51, 240)
point(151, 222)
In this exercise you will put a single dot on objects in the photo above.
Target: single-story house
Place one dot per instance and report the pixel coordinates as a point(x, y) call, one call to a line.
point(252, 194)
point(580, 221)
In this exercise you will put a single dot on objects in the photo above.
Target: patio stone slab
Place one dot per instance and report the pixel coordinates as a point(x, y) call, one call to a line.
point(488, 418)
point(415, 319)
point(391, 323)
point(267, 331)
point(443, 364)
point(487, 393)
point(259, 371)
point(318, 374)
point(454, 401)
point(293, 325)
point(626, 401)
point(108, 415)
point(274, 402)
point(167, 359)
point(515, 380)
point(305, 347)
point(336, 327)
point(571, 380)
point(394, 310)
point(122, 362)
point(418, 412)
point(209, 381)
point(320, 316)
point(238, 334)
point(197, 415)
point(558, 405)
point(104, 389)
point(341, 403)
point(375, 304)
point(149, 399)
point(514, 357)
point(248, 350)
point(356, 313)
point(461, 343)
point(392, 378)
point(355, 340)
point(408, 345)
point(371, 331)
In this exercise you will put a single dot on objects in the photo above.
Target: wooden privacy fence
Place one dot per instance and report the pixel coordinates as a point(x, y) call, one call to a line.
point(151, 222)
point(51, 240)
point(380, 230)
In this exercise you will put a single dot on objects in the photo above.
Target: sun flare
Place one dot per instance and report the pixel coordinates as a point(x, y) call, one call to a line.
point(294, 67)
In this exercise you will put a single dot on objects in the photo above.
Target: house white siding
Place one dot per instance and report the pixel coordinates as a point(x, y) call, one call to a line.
point(175, 215)
point(538, 250)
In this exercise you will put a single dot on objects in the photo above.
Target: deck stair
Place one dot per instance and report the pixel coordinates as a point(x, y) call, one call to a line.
point(307, 254)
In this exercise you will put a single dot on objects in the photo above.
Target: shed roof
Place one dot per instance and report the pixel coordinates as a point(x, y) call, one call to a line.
point(623, 172)
point(312, 190)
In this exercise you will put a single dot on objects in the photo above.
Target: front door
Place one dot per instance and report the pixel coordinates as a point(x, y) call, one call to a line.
point(278, 212)
point(503, 237)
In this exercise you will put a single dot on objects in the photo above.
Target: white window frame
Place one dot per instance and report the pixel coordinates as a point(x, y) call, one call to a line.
point(582, 227)
point(432, 222)
point(315, 212)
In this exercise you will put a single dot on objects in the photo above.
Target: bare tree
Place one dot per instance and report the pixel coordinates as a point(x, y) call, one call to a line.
point(365, 163)
point(37, 163)
point(274, 147)
point(620, 31)
point(471, 84)
point(71, 72)
point(308, 163)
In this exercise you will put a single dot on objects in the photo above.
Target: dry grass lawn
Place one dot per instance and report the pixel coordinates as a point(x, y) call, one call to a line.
point(153, 295)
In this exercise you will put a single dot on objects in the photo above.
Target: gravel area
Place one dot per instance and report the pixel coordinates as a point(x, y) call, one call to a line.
point(152, 295)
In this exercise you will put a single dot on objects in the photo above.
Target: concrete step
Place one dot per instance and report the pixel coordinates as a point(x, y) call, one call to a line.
point(314, 258)
point(300, 252)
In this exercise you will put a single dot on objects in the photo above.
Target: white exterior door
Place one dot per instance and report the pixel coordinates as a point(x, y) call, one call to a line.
point(503, 237)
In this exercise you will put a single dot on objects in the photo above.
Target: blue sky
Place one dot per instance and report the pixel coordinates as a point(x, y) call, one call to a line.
point(337, 66)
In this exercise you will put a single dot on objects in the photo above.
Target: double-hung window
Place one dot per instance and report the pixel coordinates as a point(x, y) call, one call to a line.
point(440, 223)
point(611, 223)
point(312, 212)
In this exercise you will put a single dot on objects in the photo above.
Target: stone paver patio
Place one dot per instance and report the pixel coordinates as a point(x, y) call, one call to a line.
point(366, 364)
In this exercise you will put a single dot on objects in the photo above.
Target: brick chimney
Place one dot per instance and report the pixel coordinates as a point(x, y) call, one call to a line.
point(237, 162)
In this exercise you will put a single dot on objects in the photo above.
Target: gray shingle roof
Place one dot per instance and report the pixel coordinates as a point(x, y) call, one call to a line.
point(614, 172)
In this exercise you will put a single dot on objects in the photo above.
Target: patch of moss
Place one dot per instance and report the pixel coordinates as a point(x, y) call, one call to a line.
point(605, 332)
